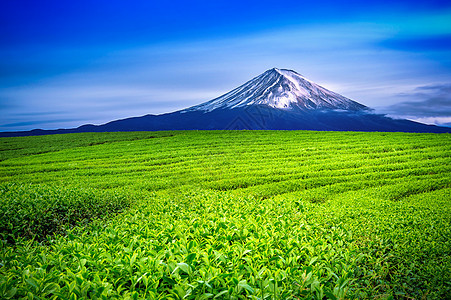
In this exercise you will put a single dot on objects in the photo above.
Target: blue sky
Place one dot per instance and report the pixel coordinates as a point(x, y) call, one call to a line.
point(68, 63)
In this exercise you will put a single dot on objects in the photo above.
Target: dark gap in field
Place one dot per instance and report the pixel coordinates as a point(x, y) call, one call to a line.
point(12, 149)
point(129, 140)
point(401, 192)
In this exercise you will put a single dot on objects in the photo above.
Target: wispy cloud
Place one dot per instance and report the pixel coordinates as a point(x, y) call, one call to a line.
point(420, 43)
point(430, 104)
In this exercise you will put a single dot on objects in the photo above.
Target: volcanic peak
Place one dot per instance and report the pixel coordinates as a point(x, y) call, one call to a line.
point(280, 89)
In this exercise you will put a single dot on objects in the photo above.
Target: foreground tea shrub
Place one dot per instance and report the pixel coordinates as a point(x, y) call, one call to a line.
point(38, 211)
point(226, 215)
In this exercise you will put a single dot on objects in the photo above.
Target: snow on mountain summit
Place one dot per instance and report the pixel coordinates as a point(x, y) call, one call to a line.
point(283, 89)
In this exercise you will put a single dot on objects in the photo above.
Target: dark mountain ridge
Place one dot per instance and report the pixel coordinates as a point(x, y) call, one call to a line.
point(278, 99)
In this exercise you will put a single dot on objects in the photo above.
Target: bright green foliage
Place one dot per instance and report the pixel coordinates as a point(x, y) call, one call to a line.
point(226, 215)
point(37, 211)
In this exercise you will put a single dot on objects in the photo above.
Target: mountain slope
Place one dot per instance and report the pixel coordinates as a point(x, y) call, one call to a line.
point(278, 99)
point(280, 88)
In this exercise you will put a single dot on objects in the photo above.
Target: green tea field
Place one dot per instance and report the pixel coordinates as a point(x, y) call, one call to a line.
point(226, 215)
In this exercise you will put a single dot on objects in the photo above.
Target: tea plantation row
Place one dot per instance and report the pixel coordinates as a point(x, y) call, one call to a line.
point(226, 215)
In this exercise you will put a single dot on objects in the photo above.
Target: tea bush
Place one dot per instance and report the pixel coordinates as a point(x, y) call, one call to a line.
point(226, 215)
point(39, 211)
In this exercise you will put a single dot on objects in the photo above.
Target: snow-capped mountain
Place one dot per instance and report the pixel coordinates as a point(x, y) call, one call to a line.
point(280, 88)
point(278, 99)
